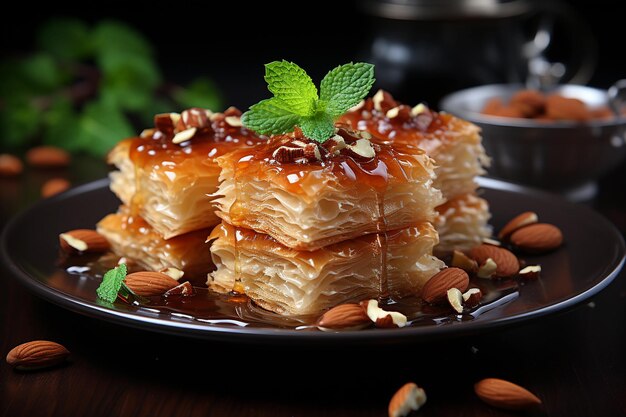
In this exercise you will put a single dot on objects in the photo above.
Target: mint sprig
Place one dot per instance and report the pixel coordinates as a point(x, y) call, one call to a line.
point(296, 101)
point(112, 283)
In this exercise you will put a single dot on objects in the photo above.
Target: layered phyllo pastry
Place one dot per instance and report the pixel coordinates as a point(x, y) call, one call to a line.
point(307, 195)
point(166, 174)
point(459, 157)
point(462, 223)
point(301, 282)
point(453, 143)
point(132, 237)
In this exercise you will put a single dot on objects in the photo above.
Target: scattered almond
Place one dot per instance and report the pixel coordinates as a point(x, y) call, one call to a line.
point(383, 318)
point(184, 135)
point(408, 398)
point(507, 263)
point(344, 317)
point(436, 288)
point(537, 238)
point(83, 240)
point(181, 289)
point(521, 220)
point(10, 166)
point(37, 354)
point(48, 157)
point(504, 394)
point(149, 283)
point(54, 186)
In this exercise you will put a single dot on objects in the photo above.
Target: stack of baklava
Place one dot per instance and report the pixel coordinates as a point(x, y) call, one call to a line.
point(307, 226)
point(163, 179)
point(454, 144)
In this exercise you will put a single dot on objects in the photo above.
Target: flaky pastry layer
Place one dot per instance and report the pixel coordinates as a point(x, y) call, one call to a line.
point(293, 282)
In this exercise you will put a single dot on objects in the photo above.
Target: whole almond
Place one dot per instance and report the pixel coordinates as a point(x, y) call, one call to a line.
point(537, 238)
point(436, 288)
point(343, 317)
point(507, 263)
point(504, 394)
point(10, 166)
point(521, 220)
point(37, 354)
point(83, 240)
point(48, 157)
point(54, 186)
point(149, 283)
point(408, 398)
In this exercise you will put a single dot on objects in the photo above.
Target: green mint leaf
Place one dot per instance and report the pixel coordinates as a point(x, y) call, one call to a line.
point(270, 116)
point(318, 127)
point(292, 85)
point(101, 126)
point(60, 125)
point(65, 38)
point(113, 37)
point(112, 283)
point(19, 122)
point(345, 86)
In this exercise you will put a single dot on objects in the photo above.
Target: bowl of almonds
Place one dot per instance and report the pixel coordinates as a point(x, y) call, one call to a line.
point(563, 139)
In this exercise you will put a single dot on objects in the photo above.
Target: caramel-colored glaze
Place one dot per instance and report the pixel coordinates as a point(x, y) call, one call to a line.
point(156, 150)
point(342, 169)
point(407, 132)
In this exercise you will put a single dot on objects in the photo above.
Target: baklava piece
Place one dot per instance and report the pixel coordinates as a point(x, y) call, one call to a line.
point(293, 282)
point(453, 143)
point(166, 174)
point(462, 223)
point(131, 237)
point(307, 195)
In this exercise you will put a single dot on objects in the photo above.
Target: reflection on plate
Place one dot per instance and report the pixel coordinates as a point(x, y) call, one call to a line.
point(592, 256)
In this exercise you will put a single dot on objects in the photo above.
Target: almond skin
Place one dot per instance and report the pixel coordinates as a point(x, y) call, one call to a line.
point(184, 289)
point(149, 283)
point(48, 157)
point(10, 166)
point(54, 186)
point(344, 316)
point(521, 220)
point(37, 354)
point(537, 238)
point(507, 262)
point(504, 394)
point(436, 289)
point(408, 398)
point(83, 240)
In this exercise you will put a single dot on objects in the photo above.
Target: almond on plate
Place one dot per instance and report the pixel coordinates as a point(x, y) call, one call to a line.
point(506, 262)
point(83, 240)
point(537, 238)
point(149, 283)
point(436, 288)
point(344, 317)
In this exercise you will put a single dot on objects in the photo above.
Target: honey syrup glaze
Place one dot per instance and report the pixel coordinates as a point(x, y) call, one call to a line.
point(237, 310)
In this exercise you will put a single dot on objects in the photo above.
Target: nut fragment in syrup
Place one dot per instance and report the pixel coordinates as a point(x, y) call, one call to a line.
point(455, 299)
point(384, 318)
point(378, 99)
point(363, 147)
point(184, 289)
point(530, 272)
point(420, 108)
point(472, 297)
point(461, 260)
point(286, 154)
point(487, 269)
point(234, 121)
point(175, 273)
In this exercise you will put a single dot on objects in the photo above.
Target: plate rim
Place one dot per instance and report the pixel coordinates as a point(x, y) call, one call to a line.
point(256, 335)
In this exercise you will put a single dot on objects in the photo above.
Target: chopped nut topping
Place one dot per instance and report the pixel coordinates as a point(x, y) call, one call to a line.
point(391, 113)
point(312, 152)
point(420, 108)
point(184, 136)
point(285, 154)
point(363, 147)
point(378, 99)
point(488, 269)
point(234, 121)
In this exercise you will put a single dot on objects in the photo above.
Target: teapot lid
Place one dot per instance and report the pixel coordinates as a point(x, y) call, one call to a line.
point(445, 9)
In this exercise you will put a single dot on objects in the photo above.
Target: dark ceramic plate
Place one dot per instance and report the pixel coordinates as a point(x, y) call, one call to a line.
point(591, 257)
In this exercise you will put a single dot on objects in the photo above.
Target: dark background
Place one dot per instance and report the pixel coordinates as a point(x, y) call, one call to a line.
point(231, 44)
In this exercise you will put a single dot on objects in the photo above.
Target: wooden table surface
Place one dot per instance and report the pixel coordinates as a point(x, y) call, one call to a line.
point(575, 361)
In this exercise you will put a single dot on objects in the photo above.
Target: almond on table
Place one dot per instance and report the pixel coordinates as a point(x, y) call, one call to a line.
point(37, 354)
point(48, 157)
point(10, 165)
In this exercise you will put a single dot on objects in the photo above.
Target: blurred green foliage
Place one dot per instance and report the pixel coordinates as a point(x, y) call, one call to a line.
point(85, 88)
